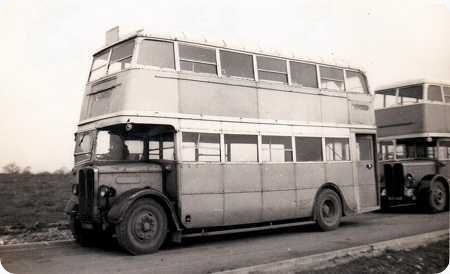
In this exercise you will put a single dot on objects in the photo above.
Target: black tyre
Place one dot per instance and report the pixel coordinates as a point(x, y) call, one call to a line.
point(328, 210)
point(83, 237)
point(437, 197)
point(144, 228)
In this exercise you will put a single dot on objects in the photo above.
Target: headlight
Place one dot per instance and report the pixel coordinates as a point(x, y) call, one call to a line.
point(410, 180)
point(75, 189)
point(105, 191)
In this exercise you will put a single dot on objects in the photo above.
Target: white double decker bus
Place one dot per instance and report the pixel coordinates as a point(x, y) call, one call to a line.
point(186, 138)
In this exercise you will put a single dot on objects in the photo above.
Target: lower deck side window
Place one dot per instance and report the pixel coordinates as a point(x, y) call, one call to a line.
point(276, 149)
point(201, 147)
point(241, 148)
point(337, 149)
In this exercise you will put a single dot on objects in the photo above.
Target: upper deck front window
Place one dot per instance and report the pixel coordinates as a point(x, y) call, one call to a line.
point(356, 82)
point(112, 60)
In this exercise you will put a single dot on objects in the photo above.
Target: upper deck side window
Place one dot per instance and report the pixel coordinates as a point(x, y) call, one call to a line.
point(410, 95)
point(435, 93)
point(332, 78)
point(157, 54)
point(236, 64)
point(385, 98)
point(198, 59)
point(304, 74)
point(272, 69)
point(446, 91)
point(355, 82)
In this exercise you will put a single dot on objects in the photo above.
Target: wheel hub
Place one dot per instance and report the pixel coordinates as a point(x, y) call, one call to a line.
point(438, 196)
point(144, 227)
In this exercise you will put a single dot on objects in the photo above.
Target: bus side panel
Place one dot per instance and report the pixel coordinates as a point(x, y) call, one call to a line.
point(308, 177)
point(279, 192)
point(201, 195)
point(269, 102)
point(223, 100)
point(341, 174)
point(335, 109)
point(243, 193)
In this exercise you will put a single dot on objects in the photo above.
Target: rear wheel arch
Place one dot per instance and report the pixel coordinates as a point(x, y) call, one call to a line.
point(346, 210)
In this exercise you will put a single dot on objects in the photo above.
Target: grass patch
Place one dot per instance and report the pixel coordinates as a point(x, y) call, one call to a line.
point(28, 199)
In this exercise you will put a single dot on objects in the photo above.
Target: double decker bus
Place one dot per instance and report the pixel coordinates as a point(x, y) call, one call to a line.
point(180, 138)
point(413, 127)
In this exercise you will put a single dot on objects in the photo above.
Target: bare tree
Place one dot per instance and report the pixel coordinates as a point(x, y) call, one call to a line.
point(11, 168)
point(26, 170)
point(61, 171)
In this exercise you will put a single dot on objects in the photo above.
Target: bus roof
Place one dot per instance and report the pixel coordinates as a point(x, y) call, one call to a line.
point(183, 37)
point(412, 82)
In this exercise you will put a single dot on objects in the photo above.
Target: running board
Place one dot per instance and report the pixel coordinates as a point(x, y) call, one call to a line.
point(240, 230)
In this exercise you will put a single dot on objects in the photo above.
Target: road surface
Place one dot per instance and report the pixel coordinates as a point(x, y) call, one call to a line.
point(209, 254)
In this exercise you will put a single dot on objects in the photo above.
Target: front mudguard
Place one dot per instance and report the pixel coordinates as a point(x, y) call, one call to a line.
point(120, 205)
point(71, 205)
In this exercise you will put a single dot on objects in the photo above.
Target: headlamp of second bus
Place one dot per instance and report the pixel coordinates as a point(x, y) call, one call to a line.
point(106, 191)
point(410, 180)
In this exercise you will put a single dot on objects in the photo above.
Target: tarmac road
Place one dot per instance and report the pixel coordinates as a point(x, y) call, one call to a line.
point(209, 254)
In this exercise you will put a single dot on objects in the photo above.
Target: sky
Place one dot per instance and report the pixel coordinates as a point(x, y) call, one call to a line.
point(47, 46)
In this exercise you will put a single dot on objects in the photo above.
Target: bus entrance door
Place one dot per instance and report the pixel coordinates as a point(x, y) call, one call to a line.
point(366, 171)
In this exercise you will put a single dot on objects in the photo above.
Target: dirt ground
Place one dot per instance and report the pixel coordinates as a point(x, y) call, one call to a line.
point(433, 258)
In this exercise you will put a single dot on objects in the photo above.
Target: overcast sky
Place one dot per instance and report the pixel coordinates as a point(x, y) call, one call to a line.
point(47, 45)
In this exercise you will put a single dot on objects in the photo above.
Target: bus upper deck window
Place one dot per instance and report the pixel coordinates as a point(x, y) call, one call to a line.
point(157, 54)
point(99, 65)
point(332, 78)
point(198, 59)
point(435, 93)
point(410, 95)
point(304, 74)
point(385, 98)
point(236, 64)
point(121, 56)
point(447, 94)
point(272, 69)
point(356, 82)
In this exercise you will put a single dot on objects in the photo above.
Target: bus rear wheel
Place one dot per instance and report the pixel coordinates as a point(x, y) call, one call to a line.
point(144, 228)
point(328, 210)
point(437, 197)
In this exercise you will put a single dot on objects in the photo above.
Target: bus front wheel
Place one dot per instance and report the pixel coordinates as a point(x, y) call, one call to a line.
point(144, 228)
point(437, 197)
point(328, 210)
